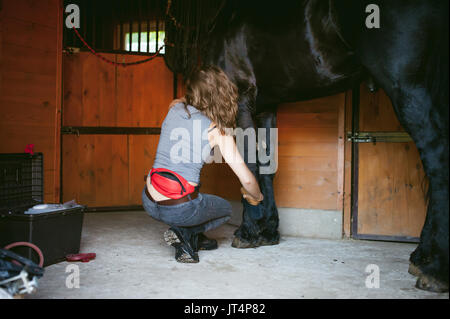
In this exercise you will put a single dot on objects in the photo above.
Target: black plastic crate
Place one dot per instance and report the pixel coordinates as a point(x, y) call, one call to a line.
point(57, 233)
point(21, 181)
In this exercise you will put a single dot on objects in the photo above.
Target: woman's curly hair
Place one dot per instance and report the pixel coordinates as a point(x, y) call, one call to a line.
point(211, 91)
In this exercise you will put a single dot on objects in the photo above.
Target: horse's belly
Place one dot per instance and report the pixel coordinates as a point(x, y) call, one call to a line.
point(287, 80)
point(309, 60)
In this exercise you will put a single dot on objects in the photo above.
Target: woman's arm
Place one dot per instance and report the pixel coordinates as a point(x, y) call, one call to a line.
point(237, 164)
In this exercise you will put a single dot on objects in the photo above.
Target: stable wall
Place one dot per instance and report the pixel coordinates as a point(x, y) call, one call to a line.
point(102, 170)
point(309, 182)
point(107, 170)
point(313, 182)
point(30, 83)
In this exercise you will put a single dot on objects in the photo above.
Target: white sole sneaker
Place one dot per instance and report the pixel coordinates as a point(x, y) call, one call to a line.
point(171, 238)
point(181, 255)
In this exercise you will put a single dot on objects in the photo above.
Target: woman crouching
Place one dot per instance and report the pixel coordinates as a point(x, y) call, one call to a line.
point(194, 125)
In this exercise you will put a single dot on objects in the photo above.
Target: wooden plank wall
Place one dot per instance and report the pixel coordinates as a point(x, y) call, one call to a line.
point(30, 83)
point(99, 94)
point(108, 170)
point(310, 170)
point(310, 166)
point(310, 175)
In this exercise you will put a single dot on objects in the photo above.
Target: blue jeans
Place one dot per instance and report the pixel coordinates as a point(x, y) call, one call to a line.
point(201, 214)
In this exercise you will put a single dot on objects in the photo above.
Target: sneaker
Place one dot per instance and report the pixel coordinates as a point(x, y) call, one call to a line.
point(182, 255)
point(183, 250)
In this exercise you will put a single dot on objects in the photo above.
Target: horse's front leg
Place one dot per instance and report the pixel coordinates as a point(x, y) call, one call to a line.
point(248, 233)
point(260, 223)
point(268, 163)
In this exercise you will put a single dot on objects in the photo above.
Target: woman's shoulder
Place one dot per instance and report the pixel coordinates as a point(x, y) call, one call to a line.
point(178, 110)
point(177, 107)
point(187, 111)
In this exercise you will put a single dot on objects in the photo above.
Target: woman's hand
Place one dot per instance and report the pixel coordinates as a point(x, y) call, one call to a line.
point(250, 199)
point(179, 100)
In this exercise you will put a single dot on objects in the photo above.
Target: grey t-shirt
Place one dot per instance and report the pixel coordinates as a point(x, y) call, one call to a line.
point(183, 144)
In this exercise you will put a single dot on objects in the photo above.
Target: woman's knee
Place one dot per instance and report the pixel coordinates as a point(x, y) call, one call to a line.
point(228, 208)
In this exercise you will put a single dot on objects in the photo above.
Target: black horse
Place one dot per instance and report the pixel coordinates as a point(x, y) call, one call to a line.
point(296, 50)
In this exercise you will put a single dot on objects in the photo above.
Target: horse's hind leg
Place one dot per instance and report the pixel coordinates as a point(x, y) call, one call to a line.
point(430, 260)
point(427, 123)
point(408, 57)
point(425, 118)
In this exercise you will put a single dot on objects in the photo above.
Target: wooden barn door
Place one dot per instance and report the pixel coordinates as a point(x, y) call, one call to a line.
point(111, 122)
point(388, 179)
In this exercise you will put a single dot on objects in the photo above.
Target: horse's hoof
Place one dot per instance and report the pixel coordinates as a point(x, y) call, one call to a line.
point(414, 270)
point(241, 243)
point(428, 283)
point(266, 242)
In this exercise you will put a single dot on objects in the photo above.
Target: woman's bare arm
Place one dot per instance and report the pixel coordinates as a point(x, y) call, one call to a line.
point(237, 164)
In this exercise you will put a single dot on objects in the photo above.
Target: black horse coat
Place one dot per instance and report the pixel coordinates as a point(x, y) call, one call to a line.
point(295, 50)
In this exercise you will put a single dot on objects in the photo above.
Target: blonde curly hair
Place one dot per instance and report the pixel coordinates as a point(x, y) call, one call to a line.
point(210, 91)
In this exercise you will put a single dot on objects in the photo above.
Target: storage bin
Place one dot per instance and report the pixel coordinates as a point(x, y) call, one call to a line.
point(57, 232)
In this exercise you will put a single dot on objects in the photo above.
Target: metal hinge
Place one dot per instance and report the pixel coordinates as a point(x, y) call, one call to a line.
point(374, 137)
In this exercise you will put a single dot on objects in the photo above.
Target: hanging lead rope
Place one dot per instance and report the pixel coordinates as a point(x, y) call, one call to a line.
point(166, 43)
point(123, 64)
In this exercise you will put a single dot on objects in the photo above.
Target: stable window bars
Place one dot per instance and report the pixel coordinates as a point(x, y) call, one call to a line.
point(145, 37)
point(119, 26)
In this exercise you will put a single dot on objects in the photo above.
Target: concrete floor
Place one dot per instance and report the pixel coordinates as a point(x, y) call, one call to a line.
point(134, 262)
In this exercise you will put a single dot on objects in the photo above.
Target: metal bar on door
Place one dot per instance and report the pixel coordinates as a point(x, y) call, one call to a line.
point(93, 130)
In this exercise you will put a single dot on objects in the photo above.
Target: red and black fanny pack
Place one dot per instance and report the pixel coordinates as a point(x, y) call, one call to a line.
point(170, 184)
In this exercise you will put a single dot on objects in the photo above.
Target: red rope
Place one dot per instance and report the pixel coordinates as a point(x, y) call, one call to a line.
point(24, 243)
point(123, 64)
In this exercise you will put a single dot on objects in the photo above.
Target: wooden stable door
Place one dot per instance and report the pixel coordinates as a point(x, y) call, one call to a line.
point(388, 178)
point(111, 122)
